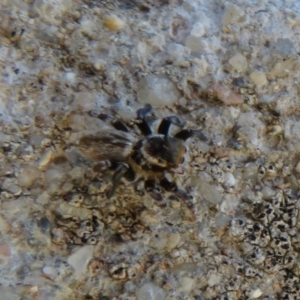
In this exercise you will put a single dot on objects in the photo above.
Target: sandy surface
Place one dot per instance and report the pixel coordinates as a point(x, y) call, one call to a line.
point(227, 68)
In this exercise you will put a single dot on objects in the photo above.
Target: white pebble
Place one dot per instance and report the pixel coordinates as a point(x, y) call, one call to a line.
point(150, 291)
point(85, 100)
point(259, 78)
point(79, 259)
point(178, 51)
point(214, 279)
point(88, 26)
point(230, 180)
point(232, 15)
point(166, 241)
point(250, 171)
point(198, 29)
point(209, 193)
point(70, 77)
point(157, 90)
point(28, 176)
point(50, 271)
point(186, 284)
point(53, 175)
point(267, 193)
point(43, 198)
point(239, 62)
point(255, 294)
point(229, 204)
point(249, 136)
point(195, 44)
point(221, 219)
point(10, 186)
point(173, 241)
point(268, 98)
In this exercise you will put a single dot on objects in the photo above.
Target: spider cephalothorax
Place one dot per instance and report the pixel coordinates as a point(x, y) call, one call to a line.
point(148, 158)
point(158, 152)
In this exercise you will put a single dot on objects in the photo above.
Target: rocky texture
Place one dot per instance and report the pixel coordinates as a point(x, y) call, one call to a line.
point(228, 68)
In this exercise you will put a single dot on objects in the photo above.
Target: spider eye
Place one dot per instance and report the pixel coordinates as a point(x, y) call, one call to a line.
point(182, 160)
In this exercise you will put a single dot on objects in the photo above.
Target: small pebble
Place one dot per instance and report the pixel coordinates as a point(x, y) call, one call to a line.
point(198, 29)
point(28, 176)
point(177, 51)
point(195, 44)
point(268, 98)
point(45, 159)
point(114, 23)
point(187, 284)
point(232, 14)
point(284, 47)
point(157, 90)
point(250, 171)
point(283, 68)
point(54, 177)
point(255, 294)
point(226, 95)
point(173, 241)
point(50, 271)
point(43, 198)
point(208, 192)
point(85, 101)
point(11, 187)
point(222, 219)
point(239, 62)
point(259, 78)
point(150, 291)
point(230, 180)
point(214, 279)
point(80, 258)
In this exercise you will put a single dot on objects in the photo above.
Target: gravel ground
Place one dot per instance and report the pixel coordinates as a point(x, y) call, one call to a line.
point(227, 68)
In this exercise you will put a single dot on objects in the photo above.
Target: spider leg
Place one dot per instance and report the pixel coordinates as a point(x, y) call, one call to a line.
point(116, 123)
point(187, 133)
point(172, 187)
point(129, 174)
point(142, 112)
point(116, 178)
point(119, 125)
point(150, 187)
point(141, 119)
point(166, 123)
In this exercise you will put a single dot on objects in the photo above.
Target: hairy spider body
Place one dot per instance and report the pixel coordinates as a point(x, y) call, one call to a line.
point(109, 144)
point(148, 158)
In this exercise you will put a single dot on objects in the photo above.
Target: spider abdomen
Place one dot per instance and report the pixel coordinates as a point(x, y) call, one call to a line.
point(107, 144)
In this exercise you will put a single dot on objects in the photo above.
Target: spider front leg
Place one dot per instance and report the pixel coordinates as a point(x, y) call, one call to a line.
point(141, 119)
point(115, 122)
point(187, 133)
point(172, 187)
point(151, 188)
point(166, 123)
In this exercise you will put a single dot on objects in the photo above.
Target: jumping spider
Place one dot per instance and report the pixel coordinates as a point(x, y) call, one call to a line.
point(147, 158)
